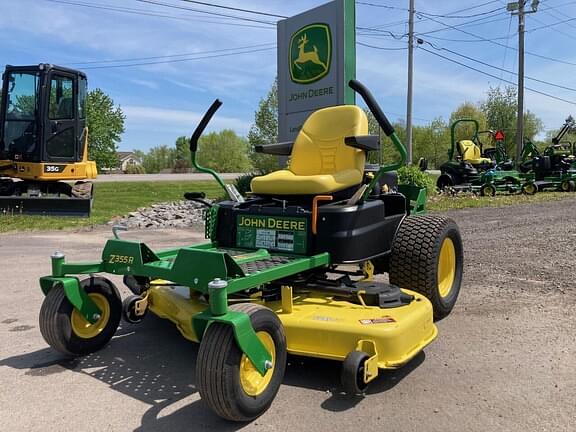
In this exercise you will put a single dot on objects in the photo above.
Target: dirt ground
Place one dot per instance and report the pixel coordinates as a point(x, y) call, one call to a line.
point(505, 359)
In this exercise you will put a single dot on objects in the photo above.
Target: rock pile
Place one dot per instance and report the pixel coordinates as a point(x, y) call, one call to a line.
point(178, 214)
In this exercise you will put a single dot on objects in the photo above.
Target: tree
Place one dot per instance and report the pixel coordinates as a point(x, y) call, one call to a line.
point(265, 130)
point(468, 110)
point(159, 158)
point(224, 151)
point(183, 161)
point(500, 108)
point(105, 125)
point(431, 142)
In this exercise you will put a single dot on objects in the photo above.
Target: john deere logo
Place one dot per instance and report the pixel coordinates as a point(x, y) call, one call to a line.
point(310, 53)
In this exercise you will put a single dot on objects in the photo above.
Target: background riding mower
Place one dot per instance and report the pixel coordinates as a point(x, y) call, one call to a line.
point(472, 168)
point(270, 282)
point(555, 167)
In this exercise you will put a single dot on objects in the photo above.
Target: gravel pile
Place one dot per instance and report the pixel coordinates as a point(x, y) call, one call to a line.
point(178, 214)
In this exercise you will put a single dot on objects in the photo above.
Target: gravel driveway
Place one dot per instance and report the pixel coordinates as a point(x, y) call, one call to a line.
point(505, 359)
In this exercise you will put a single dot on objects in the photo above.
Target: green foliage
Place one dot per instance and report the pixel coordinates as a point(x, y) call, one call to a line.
point(500, 108)
point(224, 151)
point(265, 130)
point(466, 130)
point(134, 169)
point(411, 175)
point(159, 158)
point(105, 125)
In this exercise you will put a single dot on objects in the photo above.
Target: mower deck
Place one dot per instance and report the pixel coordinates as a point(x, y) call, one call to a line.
point(321, 325)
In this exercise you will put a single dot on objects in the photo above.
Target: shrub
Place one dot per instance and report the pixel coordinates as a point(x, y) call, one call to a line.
point(134, 169)
point(412, 175)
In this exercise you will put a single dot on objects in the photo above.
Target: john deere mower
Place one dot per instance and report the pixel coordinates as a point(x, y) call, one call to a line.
point(472, 168)
point(44, 142)
point(288, 270)
point(555, 167)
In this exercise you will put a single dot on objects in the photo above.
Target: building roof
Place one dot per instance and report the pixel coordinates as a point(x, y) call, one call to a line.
point(126, 155)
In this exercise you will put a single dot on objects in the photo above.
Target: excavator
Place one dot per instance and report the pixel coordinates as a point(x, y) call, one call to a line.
point(44, 164)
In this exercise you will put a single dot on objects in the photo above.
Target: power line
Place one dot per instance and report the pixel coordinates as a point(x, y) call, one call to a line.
point(146, 13)
point(135, 59)
point(381, 48)
point(460, 16)
point(234, 8)
point(475, 22)
point(499, 68)
point(495, 77)
point(178, 60)
point(173, 6)
point(501, 44)
point(381, 6)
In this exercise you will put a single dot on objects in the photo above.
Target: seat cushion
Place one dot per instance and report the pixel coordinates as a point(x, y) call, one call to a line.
point(285, 182)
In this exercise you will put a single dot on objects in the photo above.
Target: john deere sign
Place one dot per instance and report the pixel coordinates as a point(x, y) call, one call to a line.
point(316, 59)
point(310, 53)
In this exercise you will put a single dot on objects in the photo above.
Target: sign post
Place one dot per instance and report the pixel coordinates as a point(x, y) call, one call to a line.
point(316, 59)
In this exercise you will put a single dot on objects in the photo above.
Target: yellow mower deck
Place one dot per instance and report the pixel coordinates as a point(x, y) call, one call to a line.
point(322, 326)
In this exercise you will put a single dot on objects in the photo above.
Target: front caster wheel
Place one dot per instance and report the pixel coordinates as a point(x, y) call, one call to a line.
point(352, 375)
point(66, 330)
point(227, 380)
point(131, 312)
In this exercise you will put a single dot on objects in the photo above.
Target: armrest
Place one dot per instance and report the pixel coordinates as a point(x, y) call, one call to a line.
point(363, 142)
point(280, 149)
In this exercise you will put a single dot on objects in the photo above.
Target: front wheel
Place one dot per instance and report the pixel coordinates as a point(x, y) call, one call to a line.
point(568, 186)
point(67, 331)
point(488, 190)
point(228, 381)
point(427, 257)
point(529, 188)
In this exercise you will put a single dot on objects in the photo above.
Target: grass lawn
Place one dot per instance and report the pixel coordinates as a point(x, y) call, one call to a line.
point(118, 199)
point(112, 199)
point(441, 203)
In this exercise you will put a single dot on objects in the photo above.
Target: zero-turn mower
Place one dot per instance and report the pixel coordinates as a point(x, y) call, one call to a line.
point(555, 167)
point(288, 270)
point(472, 168)
point(44, 142)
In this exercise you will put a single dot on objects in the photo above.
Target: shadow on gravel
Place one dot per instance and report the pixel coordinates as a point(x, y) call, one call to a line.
point(153, 363)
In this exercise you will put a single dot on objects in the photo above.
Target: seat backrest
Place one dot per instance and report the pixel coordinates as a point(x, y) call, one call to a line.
point(469, 150)
point(320, 148)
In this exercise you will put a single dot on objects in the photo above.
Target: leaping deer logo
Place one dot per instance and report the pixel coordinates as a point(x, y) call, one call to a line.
point(306, 56)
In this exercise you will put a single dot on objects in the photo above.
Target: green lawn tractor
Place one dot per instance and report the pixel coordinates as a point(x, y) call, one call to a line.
point(472, 168)
point(555, 167)
point(288, 270)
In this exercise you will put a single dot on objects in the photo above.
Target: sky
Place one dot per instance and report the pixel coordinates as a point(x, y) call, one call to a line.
point(162, 101)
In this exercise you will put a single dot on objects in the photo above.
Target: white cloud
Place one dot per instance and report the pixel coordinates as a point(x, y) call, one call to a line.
point(178, 120)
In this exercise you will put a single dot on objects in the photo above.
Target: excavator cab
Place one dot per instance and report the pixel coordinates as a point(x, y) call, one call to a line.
point(44, 141)
point(43, 114)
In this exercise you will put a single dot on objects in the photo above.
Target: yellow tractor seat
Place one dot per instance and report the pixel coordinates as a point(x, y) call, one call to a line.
point(321, 162)
point(471, 153)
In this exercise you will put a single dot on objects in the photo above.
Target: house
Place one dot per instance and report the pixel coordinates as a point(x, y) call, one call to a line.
point(127, 159)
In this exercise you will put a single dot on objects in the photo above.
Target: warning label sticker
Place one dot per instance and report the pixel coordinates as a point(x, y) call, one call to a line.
point(382, 320)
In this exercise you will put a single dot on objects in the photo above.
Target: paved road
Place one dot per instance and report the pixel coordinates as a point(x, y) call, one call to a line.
point(504, 360)
point(161, 177)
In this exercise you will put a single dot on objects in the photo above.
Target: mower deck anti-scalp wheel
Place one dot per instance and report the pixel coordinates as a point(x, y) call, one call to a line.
point(228, 381)
point(427, 257)
point(352, 375)
point(129, 310)
point(67, 331)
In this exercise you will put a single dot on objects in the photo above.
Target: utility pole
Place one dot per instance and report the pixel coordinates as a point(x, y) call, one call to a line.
point(517, 8)
point(410, 79)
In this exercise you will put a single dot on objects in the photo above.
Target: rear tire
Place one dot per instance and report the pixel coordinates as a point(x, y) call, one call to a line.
point(65, 330)
point(227, 381)
point(427, 257)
